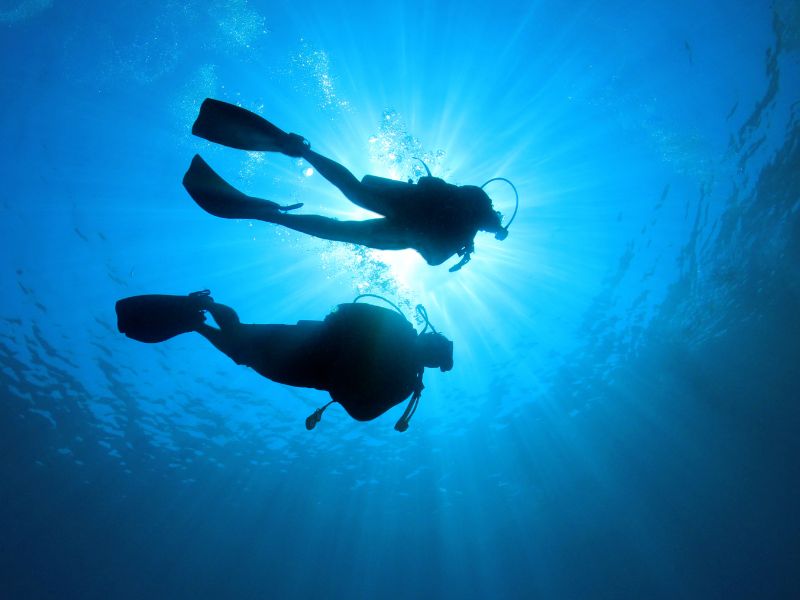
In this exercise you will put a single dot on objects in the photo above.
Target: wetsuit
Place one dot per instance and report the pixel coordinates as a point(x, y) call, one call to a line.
point(363, 355)
point(440, 219)
point(435, 218)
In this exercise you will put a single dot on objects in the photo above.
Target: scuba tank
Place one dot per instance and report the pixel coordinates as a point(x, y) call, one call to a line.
point(394, 186)
point(386, 185)
point(402, 423)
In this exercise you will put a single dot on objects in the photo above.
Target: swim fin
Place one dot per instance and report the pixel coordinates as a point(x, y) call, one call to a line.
point(236, 127)
point(216, 196)
point(158, 317)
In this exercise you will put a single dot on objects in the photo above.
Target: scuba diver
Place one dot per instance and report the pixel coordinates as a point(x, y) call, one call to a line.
point(368, 358)
point(435, 218)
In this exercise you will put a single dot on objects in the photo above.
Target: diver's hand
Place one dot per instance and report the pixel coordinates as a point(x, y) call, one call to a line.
point(295, 145)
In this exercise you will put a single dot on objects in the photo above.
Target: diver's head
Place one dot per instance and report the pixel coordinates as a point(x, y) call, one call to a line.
point(494, 224)
point(487, 219)
point(435, 350)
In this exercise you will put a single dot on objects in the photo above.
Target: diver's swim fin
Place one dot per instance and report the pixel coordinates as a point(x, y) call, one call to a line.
point(236, 127)
point(157, 317)
point(216, 196)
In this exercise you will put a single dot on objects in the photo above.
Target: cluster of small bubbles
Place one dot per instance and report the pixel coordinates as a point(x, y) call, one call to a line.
point(253, 162)
point(686, 151)
point(400, 153)
point(24, 9)
point(366, 273)
point(154, 51)
point(315, 65)
point(150, 56)
point(238, 22)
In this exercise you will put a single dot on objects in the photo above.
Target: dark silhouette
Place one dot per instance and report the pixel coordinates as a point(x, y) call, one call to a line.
point(435, 218)
point(368, 358)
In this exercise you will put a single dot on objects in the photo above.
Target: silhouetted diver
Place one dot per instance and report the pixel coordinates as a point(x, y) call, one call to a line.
point(367, 358)
point(435, 218)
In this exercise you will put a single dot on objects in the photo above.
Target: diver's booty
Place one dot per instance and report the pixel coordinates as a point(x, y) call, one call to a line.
point(155, 318)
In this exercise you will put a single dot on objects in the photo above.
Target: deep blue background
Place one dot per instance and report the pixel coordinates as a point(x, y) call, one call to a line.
point(622, 418)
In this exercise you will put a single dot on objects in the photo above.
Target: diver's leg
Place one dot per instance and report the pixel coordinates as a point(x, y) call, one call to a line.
point(263, 348)
point(290, 354)
point(352, 188)
point(380, 234)
point(336, 173)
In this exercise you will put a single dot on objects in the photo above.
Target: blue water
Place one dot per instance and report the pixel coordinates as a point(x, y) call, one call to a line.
point(622, 419)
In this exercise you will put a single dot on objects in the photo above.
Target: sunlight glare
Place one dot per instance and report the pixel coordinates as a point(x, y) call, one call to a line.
point(404, 265)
